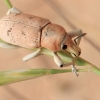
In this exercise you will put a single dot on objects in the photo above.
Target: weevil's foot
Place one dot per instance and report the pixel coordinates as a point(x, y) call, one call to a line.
point(74, 70)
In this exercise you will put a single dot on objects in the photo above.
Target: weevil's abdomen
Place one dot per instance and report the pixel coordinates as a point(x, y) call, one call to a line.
point(22, 29)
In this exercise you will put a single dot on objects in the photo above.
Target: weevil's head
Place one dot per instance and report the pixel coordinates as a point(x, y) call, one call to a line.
point(68, 44)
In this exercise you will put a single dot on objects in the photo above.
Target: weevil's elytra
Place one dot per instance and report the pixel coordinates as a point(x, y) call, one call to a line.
point(31, 17)
point(23, 33)
point(8, 17)
point(17, 14)
point(25, 19)
point(26, 27)
point(8, 31)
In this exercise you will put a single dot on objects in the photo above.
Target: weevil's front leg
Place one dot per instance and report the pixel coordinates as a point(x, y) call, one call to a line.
point(77, 33)
point(73, 67)
point(59, 62)
point(32, 55)
point(8, 46)
point(57, 59)
point(74, 70)
point(13, 10)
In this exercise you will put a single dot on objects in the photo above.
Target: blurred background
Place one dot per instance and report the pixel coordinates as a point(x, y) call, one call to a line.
point(71, 14)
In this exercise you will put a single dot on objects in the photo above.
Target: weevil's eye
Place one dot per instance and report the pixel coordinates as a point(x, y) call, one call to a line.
point(64, 47)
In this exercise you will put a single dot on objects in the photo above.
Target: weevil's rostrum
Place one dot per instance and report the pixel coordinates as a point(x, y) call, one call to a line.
point(29, 31)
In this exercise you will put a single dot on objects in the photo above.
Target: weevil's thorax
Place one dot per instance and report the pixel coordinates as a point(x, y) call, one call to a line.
point(52, 36)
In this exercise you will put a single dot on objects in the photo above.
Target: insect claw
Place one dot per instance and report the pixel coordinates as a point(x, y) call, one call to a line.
point(74, 70)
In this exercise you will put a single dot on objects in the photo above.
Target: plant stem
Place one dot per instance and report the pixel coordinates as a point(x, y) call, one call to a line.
point(66, 58)
point(8, 77)
point(8, 3)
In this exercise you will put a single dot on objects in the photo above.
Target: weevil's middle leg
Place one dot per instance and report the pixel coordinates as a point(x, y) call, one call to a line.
point(77, 33)
point(32, 55)
point(59, 62)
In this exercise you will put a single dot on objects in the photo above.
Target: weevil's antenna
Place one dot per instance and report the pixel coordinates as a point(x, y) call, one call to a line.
point(75, 40)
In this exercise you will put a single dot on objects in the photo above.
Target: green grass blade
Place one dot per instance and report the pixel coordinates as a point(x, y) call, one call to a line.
point(8, 77)
point(8, 3)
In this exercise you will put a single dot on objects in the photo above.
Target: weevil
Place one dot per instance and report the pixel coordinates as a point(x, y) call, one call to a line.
point(29, 31)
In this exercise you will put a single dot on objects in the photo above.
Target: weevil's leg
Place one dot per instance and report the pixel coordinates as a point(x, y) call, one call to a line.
point(74, 70)
point(73, 67)
point(13, 10)
point(8, 46)
point(32, 55)
point(59, 62)
point(77, 33)
point(57, 59)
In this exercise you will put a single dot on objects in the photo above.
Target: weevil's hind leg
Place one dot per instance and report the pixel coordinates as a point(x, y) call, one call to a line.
point(57, 59)
point(8, 46)
point(13, 10)
point(77, 33)
point(32, 55)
